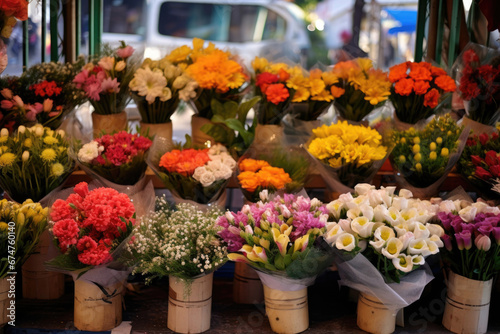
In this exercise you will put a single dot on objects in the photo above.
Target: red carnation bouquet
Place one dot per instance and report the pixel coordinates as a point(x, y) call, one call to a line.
point(119, 158)
point(418, 89)
point(480, 162)
point(89, 227)
point(478, 79)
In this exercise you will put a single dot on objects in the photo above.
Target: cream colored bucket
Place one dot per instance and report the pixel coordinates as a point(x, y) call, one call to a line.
point(373, 316)
point(287, 310)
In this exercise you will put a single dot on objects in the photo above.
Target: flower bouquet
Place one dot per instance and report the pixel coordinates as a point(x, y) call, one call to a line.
point(221, 78)
point(198, 176)
point(478, 77)
point(33, 162)
point(91, 228)
point(347, 154)
point(480, 163)
point(311, 99)
point(279, 240)
point(358, 88)
point(423, 158)
point(181, 243)
point(283, 171)
point(105, 82)
point(472, 255)
point(119, 158)
point(20, 229)
point(45, 94)
point(417, 90)
point(381, 239)
point(157, 88)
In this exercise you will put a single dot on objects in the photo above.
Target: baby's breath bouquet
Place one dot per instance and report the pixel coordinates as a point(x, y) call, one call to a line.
point(422, 157)
point(158, 87)
point(33, 162)
point(349, 154)
point(180, 242)
point(26, 222)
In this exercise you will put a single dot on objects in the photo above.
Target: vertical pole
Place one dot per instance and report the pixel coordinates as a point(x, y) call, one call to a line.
point(44, 31)
point(54, 43)
point(78, 30)
point(439, 33)
point(26, 45)
point(419, 40)
point(69, 30)
point(95, 26)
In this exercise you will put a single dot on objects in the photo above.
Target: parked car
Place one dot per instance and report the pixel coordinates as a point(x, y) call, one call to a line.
point(272, 29)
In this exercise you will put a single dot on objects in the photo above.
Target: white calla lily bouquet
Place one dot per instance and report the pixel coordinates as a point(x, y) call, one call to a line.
point(381, 238)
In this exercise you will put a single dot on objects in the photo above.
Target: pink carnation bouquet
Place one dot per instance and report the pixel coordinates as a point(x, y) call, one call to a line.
point(119, 158)
point(89, 227)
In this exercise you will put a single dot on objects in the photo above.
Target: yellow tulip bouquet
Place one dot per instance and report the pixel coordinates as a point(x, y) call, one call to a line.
point(20, 228)
point(424, 157)
point(347, 154)
point(33, 162)
point(359, 88)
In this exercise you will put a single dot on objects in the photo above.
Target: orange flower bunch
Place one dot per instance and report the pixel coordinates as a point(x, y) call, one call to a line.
point(259, 175)
point(417, 89)
point(184, 162)
point(359, 88)
point(218, 73)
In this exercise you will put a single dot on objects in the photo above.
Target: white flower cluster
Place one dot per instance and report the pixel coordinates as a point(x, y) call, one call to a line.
point(89, 152)
point(398, 227)
point(220, 166)
point(181, 242)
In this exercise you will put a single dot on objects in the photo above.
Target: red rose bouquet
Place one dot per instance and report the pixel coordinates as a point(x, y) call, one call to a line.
point(89, 226)
point(418, 89)
point(478, 78)
point(480, 162)
point(118, 158)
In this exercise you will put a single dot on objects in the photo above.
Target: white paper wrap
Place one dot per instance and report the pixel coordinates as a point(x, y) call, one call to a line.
point(283, 283)
point(359, 274)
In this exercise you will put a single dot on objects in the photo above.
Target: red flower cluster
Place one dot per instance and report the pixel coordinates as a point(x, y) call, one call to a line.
point(46, 88)
point(184, 162)
point(89, 222)
point(16, 8)
point(120, 148)
point(273, 86)
point(487, 167)
point(422, 79)
point(478, 81)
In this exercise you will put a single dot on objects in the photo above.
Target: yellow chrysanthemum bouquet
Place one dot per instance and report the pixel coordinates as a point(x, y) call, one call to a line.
point(347, 154)
point(33, 162)
point(20, 228)
point(360, 88)
point(423, 157)
point(157, 88)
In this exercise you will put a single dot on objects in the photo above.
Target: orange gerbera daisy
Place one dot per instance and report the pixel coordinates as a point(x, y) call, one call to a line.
point(404, 87)
point(277, 93)
point(398, 72)
point(431, 98)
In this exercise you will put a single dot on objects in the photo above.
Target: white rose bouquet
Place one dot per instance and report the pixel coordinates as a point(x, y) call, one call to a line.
point(197, 175)
point(380, 239)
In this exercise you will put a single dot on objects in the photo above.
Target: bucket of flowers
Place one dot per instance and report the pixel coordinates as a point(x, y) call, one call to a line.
point(279, 240)
point(381, 240)
point(91, 228)
point(157, 88)
point(419, 90)
point(197, 176)
point(477, 71)
point(20, 229)
point(423, 157)
point(117, 159)
point(181, 243)
point(105, 82)
point(359, 89)
point(347, 154)
point(472, 257)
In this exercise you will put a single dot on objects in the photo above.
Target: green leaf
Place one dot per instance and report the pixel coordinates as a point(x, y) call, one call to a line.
point(279, 262)
point(244, 133)
point(218, 132)
point(245, 107)
point(225, 110)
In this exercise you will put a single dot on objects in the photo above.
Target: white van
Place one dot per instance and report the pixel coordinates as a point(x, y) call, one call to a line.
point(271, 29)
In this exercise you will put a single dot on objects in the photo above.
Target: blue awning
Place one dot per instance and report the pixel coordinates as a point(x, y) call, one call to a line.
point(407, 20)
